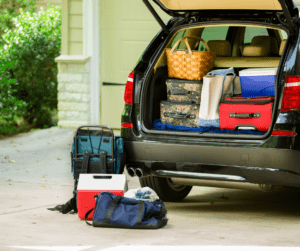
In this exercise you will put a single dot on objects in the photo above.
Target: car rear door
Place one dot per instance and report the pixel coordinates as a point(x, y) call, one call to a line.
point(286, 10)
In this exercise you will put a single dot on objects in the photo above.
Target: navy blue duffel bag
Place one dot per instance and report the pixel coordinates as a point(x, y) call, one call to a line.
point(121, 212)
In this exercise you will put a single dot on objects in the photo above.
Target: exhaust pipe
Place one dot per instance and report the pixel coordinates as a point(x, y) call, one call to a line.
point(131, 171)
point(139, 172)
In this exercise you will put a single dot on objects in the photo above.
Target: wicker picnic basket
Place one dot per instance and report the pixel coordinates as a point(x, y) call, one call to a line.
point(188, 64)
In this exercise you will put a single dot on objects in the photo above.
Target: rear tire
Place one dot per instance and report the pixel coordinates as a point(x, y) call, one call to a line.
point(165, 188)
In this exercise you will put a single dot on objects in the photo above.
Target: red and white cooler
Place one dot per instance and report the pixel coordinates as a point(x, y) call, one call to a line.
point(90, 185)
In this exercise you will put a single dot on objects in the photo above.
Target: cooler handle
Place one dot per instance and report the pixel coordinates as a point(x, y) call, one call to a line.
point(102, 177)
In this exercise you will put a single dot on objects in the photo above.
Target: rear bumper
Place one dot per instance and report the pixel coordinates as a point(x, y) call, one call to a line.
point(256, 164)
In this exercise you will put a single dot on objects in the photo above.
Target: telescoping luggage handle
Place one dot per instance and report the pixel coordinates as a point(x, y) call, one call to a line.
point(97, 154)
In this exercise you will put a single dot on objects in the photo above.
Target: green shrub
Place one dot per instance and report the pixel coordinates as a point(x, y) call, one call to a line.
point(10, 9)
point(10, 106)
point(32, 46)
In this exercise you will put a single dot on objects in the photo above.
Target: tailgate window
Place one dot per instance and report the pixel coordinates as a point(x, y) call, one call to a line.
point(213, 33)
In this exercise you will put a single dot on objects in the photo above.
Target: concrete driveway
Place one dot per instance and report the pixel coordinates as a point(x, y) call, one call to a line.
point(35, 174)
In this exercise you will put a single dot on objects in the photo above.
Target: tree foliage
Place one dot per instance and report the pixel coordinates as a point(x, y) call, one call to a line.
point(31, 48)
point(10, 9)
point(10, 106)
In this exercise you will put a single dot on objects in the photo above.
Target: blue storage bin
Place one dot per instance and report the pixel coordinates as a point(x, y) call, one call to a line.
point(258, 82)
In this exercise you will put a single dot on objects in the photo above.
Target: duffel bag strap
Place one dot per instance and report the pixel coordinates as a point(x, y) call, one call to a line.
point(110, 211)
point(140, 215)
point(86, 215)
point(112, 208)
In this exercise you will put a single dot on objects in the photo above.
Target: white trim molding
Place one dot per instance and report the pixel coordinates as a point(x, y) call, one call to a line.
point(80, 59)
point(91, 48)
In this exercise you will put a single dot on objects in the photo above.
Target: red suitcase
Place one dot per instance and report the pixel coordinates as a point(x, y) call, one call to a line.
point(240, 113)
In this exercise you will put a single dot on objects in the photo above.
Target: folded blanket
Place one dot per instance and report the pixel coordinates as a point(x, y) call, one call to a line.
point(160, 126)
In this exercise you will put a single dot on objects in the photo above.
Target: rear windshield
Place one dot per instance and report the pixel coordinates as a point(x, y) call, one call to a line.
point(252, 32)
point(213, 33)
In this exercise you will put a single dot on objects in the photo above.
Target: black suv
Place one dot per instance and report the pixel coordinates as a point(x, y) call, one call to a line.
point(171, 162)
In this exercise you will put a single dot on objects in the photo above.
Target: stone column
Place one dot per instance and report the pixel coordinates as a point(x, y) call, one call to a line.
point(73, 91)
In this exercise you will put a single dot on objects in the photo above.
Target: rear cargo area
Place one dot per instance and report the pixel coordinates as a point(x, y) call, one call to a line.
point(252, 53)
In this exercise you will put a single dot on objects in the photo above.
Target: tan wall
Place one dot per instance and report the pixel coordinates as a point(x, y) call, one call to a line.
point(126, 28)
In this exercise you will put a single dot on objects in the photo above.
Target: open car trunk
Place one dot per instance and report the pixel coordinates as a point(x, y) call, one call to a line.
point(238, 38)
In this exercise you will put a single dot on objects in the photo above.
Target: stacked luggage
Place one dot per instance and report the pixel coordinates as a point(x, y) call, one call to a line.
point(182, 105)
point(194, 103)
point(198, 96)
point(186, 69)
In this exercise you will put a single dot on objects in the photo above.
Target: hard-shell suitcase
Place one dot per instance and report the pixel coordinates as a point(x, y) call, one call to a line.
point(184, 90)
point(95, 149)
point(238, 113)
point(179, 113)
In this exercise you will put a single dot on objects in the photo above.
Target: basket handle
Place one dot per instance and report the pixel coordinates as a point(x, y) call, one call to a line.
point(187, 44)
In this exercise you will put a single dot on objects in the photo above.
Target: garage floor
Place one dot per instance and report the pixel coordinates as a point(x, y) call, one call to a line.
point(35, 174)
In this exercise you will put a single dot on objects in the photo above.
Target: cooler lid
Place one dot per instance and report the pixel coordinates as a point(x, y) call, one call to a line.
point(102, 182)
point(258, 72)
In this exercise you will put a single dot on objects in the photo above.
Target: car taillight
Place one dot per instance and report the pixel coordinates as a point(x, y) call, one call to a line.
point(283, 133)
point(291, 94)
point(129, 89)
point(127, 125)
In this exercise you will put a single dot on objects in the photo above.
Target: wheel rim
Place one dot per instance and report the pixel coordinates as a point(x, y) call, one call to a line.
point(175, 187)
